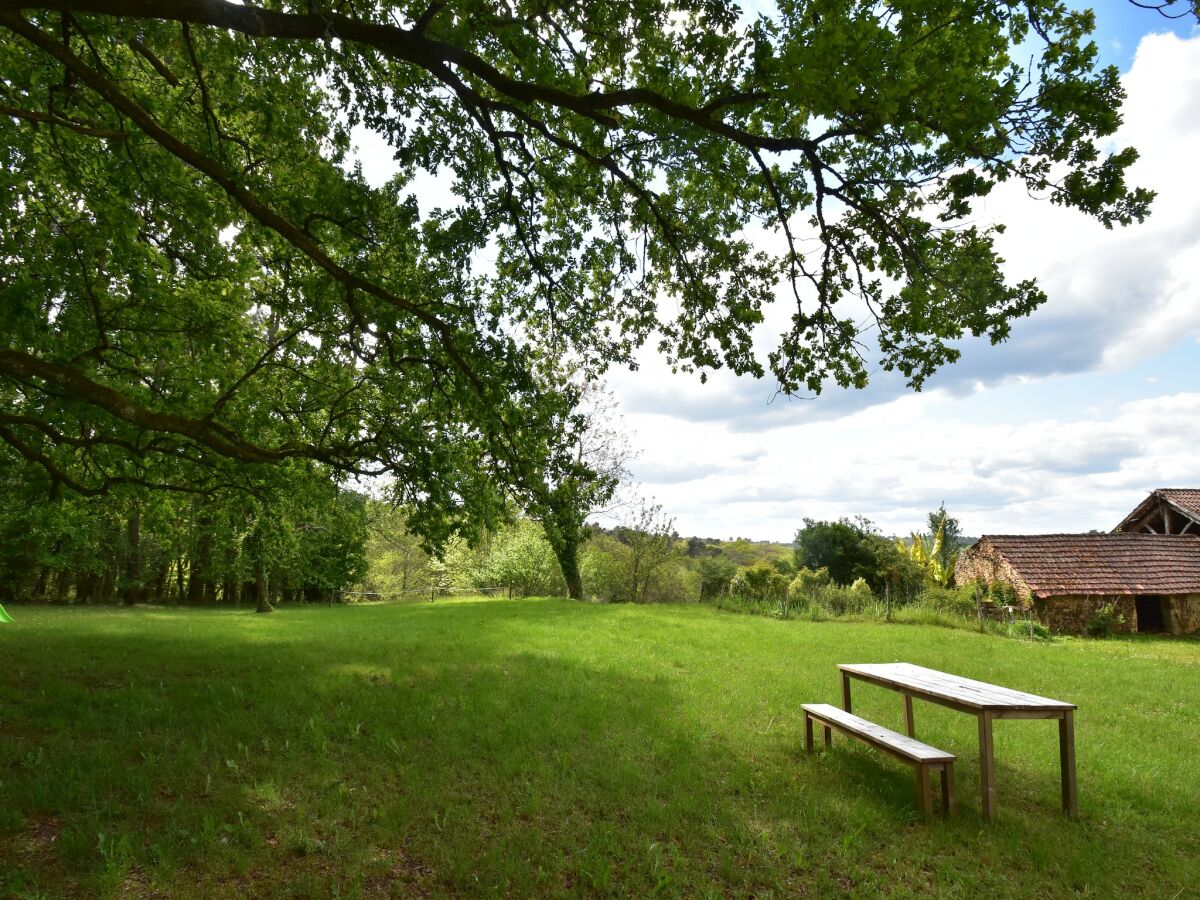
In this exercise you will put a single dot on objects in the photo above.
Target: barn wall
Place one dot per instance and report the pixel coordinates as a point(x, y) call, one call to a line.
point(1070, 615)
point(1184, 614)
point(982, 562)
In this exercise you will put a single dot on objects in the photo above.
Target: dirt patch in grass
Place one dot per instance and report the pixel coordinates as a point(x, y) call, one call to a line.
point(39, 842)
point(403, 876)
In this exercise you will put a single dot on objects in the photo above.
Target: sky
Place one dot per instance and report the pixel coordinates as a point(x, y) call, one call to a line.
point(1093, 401)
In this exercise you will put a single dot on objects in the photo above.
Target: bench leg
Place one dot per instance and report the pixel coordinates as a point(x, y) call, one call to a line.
point(828, 736)
point(808, 733)
point(924, 792)
point(949, 804)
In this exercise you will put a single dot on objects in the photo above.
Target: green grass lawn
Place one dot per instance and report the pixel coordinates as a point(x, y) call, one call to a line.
point(552, 747)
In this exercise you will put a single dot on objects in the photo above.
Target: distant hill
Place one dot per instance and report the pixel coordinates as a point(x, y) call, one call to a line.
point(739, 551)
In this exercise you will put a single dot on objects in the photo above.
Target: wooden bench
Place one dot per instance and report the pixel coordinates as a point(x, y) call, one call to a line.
point(924, 758)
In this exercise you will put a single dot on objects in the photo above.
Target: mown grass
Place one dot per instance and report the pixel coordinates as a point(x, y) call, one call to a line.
point(550, 747)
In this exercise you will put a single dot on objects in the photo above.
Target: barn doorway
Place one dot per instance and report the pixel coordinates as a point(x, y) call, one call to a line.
point(1151, 614)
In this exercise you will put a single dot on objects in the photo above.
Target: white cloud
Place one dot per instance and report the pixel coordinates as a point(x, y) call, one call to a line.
point(895, 463)
point(1117, 298)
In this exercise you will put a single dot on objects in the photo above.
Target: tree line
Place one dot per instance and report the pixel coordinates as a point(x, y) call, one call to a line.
point(644, 559)
point(137, 545)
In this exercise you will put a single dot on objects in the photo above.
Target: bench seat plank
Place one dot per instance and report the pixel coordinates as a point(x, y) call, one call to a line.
point(884, 738)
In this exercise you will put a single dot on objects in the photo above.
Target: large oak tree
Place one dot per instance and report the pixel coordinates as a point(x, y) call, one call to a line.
point(197, 283)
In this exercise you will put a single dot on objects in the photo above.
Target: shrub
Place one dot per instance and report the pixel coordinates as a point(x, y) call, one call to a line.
point(1002, 593)
point(1105, 620)
point(714, 573)
point(839, 600)
point(958, 601)
point(808, 581)
point(603, 573)
point(861, 588)
point(739, 586)
point(1029, 629)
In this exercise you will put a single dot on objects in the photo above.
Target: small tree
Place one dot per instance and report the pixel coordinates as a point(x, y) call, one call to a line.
point(522, 560)
point(581, 476)
point(848, 548)
point(649, 546)
point(929, 554)
point(941, 522)
point(715, 573)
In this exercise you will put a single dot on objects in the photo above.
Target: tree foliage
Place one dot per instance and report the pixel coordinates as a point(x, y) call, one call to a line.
point(133, 545)
point(198, 282)
point(847, 549)
point(933, 554)
point(950, 528)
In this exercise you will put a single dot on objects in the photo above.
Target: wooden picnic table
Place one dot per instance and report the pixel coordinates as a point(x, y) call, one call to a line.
point(986, 701)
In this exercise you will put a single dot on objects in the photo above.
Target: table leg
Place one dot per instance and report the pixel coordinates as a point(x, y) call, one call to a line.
point(987, 766)
point(846, 692)
point(828, 736)
point(808, 733)
point(908, 716)
point(1066, 756)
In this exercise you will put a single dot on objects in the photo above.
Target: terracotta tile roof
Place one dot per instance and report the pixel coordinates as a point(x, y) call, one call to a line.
point(1186, 500)
point(1054, 565)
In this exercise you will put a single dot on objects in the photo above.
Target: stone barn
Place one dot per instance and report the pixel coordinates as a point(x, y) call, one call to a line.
point(1153, 579)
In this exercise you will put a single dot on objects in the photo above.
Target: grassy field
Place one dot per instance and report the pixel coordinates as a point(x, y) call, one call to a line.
point(551, 747)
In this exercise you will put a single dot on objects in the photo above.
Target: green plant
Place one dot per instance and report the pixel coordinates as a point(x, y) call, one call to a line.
point(1106, 619)
point(931, 554)
point(808, 581)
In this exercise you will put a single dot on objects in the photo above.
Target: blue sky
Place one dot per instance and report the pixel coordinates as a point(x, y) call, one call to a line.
point(1120, 26)
point(1093, 402)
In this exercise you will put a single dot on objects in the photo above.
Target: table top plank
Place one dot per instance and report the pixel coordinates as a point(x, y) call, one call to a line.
point(954, 688)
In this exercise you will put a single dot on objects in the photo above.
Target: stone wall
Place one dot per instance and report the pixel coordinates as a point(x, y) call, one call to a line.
point(983, 562)
point(1183, 614)
point(1070, 615)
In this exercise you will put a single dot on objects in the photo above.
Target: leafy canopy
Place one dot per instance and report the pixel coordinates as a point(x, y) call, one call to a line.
point(197, 282)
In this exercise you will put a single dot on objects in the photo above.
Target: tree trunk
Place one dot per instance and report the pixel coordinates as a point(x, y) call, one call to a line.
point(85, 586)
point(160, 583)
point(132, 573)
point(564, 541)
point(260, 591)
point(62, 586)
point(200, 589)
point(569, 563)
point(39, 589)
